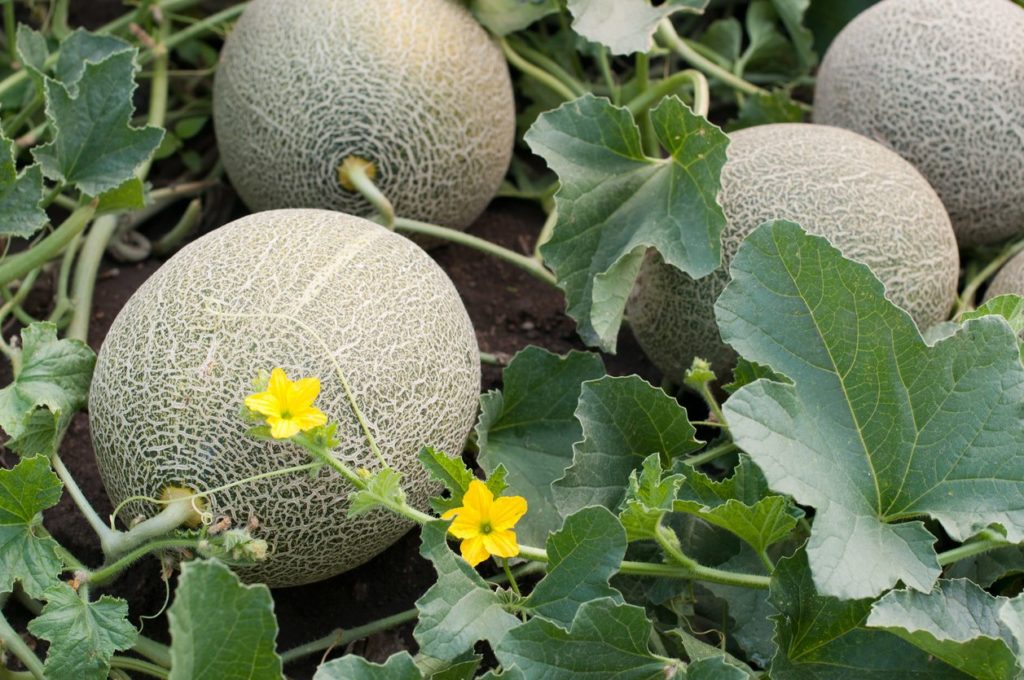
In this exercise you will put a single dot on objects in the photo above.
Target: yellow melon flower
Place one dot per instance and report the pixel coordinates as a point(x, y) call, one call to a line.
point(485, 523)
point(287, 405)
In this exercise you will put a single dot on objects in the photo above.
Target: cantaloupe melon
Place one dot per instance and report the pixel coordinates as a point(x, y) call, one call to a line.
point(416, 87)
point(1009, 280)
point(941, 82)
point(874, 206)
point(315, 293)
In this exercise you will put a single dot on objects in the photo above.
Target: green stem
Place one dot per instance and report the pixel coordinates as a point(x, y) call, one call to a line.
point(986, 541)
point(111, 570)
point(669, 38)
point(527, 264)
point(197, 28)
point(965, 302)
point(340, 638)
point(158, 89)
point(711, 454)
point(10, 31)
point(12, 642)
point(545, 234)
point(510, 577)
point(536, 72)
point(186, 225)
point(549, 65)
point(6, 674)
point(12, 127)
point(713, 405)
point(354, 175)
point(140, 666)
point(701, 94)
point(604, 63)
point(643, 80)
point(171, 517)
point(669, 543)
point(104, 532)
point(154, 651)
point(85, 275)
point(21, 264)
point(63, 305)
point(18, 297)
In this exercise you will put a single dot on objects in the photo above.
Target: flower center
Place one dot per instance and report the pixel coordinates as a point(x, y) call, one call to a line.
point(485, 528)
point(286, 415)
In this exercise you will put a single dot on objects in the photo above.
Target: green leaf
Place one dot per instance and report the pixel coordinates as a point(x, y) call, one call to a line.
point(698, 651)
point(83, 635)
point(530, 428)
point(741, 505)
point(823, 638)
point(825, 18)
point(582, 556)
point(769, 54)
point(624, 420)
point(82, 48)
point(746, 372)
point(502, 17)
point(95, 148)
point(51, 385)
point(606, 640)
point(715, 668)
point(792, 13)
point(878, 428)
point(399, 666)
point(450, 472)
point(959, 623)
point(20, 196)
point(765, 109)
point(615, 202)
point(385, 484)
point(460, 608)
point(32, 50)
point(987, 568)
point(129, 195)
point(625, 26)
point(1009, 307)
point(648, 498)
point(27, 554)
point(463, 668)
point(221, 629)
point(725, 38)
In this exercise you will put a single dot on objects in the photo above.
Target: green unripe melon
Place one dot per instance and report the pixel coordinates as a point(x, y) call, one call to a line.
point(318, 294)
point(941, 82)
point(1009, 280)
point(873, 206)
point(417, 87)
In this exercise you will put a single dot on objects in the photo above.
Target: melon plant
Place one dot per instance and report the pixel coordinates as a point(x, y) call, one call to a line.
point(874, 206)
point(416, 87)
point(939, 82)
point(318, 294)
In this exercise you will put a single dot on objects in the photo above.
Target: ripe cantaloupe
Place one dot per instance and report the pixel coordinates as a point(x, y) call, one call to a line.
point(313, 292)
point(1009, 280)
point(416, 87)
point(941, 82)
point(873, 206)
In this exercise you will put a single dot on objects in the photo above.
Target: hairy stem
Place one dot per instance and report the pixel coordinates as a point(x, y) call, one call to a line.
point(965, 302)
point(986, 541)
point(545, 234)
point(536, 72)
point(340, 637)
point(527, 264)
point(172, 516)
point(18, 266)
point(85, 275)
point(669, 543)
point(104, 532)
point(154, 651)
point(110, 571)
point(713, 453)
point(139, 666)
point(548, 64)
point(12, 642)
point(669, 38)
point(701, 94)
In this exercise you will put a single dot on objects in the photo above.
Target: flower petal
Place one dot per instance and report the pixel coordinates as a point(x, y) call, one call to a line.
point(506, 511)
point(479, 498)
point(473, 550)
point(278, 384)
point(466, 524)
point(263, 403)
point(303, 393)
point(501, 543)
point(309, 418)
point(282, 428)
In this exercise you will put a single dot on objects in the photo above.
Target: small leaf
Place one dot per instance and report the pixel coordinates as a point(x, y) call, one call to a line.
point(615, 202)
point(582, 556)
point(987, 568)
point(128, 196)
point(451, 473)
point(32, 50)
point(399, 666)
point(95, 148)
point(823, 637)
point(958, 622)
point(624, 420)
point(606, 640)
point(1009, 307)
point(878, 429)
point(765, 109)
point(221, 629)
point(82, 48)
point(625, 26)
point(384, 484)
point(20, 196)
point(746, 372)
point(502, 17)
point(648, 498)
point(51, 385)
point(530, 428)
point(27, 555)
point(83, 635)
point(698, 651)
point(460, 608)
point(792, 12)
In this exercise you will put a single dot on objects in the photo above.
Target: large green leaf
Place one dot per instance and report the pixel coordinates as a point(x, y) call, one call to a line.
point(27, 554)
point(615, 202)
point(20, 195)
point(878, 429)
point(625, 26)
point(83, 635)
point(460, 608)
point(987, 568)
point(624, 420)
point(52, 383)
point(530, 428)
point(959, 623)
point(95, 148)
point(350, 667)
point(582, 556)
point(823, 638)
point(82, 48)
point(502, 17)
point(221, 629)
point(606, 640)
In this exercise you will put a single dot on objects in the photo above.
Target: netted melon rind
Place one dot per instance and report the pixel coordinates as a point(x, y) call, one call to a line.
point(1009, 280)
point(874, 206)
point(415, 86)
point(309, 291)
point(939, 82)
